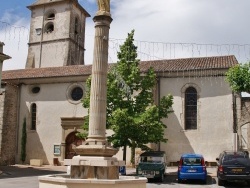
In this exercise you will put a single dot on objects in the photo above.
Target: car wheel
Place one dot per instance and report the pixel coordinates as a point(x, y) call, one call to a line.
point(204, 181)
point(179, 180)
point(162, 178)
point(248, 182)
point(221, 182)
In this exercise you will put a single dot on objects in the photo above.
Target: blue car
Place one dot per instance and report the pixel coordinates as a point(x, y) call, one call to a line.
point(192, 167)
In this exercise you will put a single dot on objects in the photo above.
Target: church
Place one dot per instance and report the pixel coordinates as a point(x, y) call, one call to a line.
point(47, 95)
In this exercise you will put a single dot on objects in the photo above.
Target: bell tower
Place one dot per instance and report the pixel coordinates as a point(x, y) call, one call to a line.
point(57, 33)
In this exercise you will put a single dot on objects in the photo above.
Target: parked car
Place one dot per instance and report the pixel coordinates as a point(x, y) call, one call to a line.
point(192, 167)
point(152, 165)
point(233, 166)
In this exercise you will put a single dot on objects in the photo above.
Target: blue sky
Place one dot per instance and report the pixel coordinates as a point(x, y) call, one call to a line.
point(18, 7)
point(164, 29)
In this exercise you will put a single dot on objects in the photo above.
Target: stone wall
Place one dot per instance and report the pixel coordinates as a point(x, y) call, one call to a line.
point(244, 124)
point(8, 124)
point(245, 110)
point(2, 97)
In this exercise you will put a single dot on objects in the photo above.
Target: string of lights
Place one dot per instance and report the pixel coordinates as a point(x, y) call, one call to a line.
point(147, 50)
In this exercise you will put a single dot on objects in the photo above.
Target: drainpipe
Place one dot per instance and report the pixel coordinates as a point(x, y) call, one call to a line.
point(235, 135)
point(158, 100)
point(41, 40)
point(19, 88)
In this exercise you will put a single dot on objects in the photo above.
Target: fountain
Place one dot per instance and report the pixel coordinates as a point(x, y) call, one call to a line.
point(95, 166)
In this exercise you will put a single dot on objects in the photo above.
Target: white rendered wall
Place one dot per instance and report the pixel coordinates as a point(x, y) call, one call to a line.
point(52, 104)
point(215, 119)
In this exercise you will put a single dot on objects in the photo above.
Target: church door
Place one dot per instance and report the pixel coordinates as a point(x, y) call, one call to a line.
point(71, 140)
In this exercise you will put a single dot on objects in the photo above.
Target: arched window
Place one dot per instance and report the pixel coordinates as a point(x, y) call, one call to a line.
point(76, 26)
point(190, 108)
point(33, 116)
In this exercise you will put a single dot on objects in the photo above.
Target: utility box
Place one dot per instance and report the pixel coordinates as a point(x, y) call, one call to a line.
point(36, 162)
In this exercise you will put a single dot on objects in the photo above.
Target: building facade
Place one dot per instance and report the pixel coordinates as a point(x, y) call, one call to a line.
point(48, 92)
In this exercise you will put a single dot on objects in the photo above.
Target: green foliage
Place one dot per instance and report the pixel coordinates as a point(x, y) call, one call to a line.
point(238, 78)
point(131, 112)
point(23, 141)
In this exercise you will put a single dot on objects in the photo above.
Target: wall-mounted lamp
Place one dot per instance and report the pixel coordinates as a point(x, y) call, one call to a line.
point(38, 31)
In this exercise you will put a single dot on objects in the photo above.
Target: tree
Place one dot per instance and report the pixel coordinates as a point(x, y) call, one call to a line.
point(23, 141)
point(131, 112)
point(238, 77)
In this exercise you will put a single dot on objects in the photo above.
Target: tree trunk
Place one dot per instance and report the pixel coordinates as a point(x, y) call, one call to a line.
point(132, 158)
point(124, 153)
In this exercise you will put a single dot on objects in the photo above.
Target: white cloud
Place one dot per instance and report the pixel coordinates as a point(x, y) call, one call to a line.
point(14, 32)
point(165, 25)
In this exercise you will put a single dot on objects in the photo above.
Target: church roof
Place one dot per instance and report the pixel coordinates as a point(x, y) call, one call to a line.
point(187, 64)
point(173, 65)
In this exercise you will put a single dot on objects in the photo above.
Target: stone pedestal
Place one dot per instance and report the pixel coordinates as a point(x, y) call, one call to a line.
point(97, 149)
point(87, 167)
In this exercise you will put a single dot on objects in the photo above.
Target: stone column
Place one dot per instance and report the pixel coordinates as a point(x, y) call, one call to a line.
point(94, 158)
point(98, 98)
point(96, 144)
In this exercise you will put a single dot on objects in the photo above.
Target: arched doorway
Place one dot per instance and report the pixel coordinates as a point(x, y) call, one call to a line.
point(71, 140)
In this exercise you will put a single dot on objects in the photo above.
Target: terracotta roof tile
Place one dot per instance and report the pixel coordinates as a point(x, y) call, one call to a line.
point(185, 64)
point(47, 72)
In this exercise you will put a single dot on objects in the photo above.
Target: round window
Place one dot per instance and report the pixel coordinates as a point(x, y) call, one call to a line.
point(76, 93)
point(35, 89)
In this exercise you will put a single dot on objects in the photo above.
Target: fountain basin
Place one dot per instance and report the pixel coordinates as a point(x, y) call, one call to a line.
point(64, 181)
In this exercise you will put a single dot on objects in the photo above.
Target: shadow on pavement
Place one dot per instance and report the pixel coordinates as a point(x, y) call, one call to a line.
point(236, 185)
point(17, 171)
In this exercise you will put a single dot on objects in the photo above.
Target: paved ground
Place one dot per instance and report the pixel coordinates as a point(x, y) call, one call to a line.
point(211, 171)
point(26, 170)
point(17, 176)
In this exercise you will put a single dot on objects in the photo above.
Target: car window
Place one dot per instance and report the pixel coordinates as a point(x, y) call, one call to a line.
point(151, 159)
point(233, 156)
point(192, 161)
